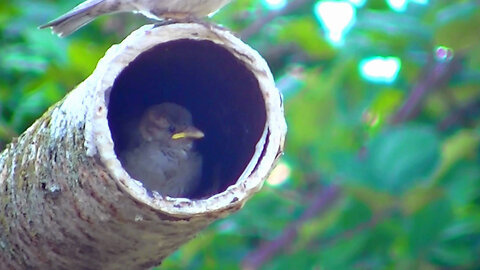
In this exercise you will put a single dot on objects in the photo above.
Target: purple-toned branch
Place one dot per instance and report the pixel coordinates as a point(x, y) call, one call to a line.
point(462, 115)
point(434, 76)
point(322, 201)
point(371, 223)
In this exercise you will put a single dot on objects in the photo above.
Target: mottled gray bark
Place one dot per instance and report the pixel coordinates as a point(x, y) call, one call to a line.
point(65, 200)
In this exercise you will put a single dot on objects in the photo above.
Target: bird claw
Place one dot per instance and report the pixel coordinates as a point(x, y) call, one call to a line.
point(189, 19)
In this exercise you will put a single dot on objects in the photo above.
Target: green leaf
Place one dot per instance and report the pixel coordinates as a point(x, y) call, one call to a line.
point(84, 55)
point(426, 227)
point(458, 27)
point(454, 256)
point(461, 145)
point(305, 33)
point(402, 156)
point(387, 101)
point(418, 197)
point(376, 200)
point(342, 254)
point(462, 183)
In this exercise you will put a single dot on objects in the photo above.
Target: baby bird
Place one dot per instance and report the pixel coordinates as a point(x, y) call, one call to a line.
point(164, 159)
point(156, 9)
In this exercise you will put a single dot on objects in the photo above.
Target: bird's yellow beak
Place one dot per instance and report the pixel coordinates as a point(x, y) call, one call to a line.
point(190, 133)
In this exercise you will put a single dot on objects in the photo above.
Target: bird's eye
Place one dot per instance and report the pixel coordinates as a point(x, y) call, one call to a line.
point(171, 129)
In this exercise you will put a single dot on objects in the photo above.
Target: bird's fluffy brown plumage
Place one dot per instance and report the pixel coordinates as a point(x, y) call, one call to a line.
point(165, 159)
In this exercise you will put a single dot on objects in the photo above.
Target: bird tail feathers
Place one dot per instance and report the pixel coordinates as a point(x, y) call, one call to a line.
point(74, 19)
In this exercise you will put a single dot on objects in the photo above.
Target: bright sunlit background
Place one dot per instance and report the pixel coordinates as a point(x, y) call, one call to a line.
point(382, 98)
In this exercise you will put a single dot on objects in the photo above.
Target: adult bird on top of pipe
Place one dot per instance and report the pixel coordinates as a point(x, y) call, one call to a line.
point(155, 9)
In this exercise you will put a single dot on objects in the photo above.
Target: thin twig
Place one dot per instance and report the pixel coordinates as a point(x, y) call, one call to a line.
point(371, 223)
point(462, 115)
point(320, 203)
point(435, 75)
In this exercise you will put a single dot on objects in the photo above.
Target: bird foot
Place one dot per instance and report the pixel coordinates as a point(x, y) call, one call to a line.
point(172, 18)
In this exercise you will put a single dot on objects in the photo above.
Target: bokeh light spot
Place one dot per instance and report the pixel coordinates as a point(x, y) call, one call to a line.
point(274, 4)
point(380, 69)
point(422, 2)
point(279, 174)
point(397, 5)
point(371, 118)
point(443, 54)
point(336, 18)
point(358, 3)
point(401, 5)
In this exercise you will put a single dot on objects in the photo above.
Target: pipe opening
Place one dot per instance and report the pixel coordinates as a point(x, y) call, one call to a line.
point(221, 93)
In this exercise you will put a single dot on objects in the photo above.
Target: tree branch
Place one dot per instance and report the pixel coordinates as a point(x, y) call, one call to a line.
point(371, 223)
point(462, 115)
point(322, 201)
point(435, 75)
point(67, 202)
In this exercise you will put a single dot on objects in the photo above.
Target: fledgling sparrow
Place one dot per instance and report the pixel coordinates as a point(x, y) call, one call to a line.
point(156, 9)
point(164, 158)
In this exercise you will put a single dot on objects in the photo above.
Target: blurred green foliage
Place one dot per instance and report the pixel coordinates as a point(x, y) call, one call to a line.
point(408, 180)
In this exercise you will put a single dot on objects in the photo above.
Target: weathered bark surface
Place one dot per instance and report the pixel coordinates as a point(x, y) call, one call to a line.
point(65, 200)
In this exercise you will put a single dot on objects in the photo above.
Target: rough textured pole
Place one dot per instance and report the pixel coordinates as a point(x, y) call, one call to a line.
point(65, 200)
